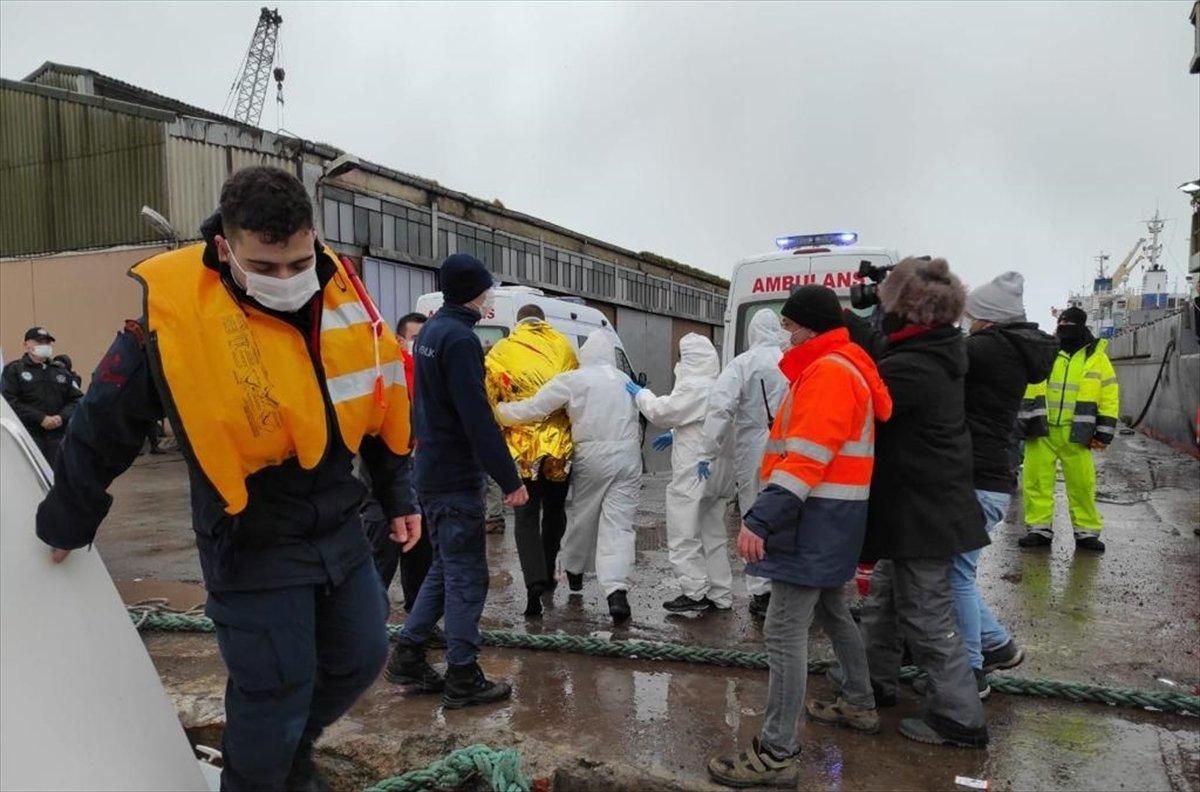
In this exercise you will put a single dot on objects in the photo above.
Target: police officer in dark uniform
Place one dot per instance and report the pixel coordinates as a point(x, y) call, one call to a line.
point(296, 603)
point(42, 393)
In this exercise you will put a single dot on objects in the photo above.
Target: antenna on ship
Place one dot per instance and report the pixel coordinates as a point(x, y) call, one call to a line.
point(1153, 249)
point(1101, 260)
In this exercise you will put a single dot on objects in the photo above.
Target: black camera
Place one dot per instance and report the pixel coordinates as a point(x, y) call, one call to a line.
point(865, 295)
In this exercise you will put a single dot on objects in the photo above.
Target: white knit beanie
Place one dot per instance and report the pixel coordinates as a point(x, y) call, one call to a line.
point(1000, 300)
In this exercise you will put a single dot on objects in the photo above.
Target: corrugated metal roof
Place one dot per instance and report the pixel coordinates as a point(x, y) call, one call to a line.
point(74, 175)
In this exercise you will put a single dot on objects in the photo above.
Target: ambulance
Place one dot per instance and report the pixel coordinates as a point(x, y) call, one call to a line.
point(568, 315)
point(834, 260)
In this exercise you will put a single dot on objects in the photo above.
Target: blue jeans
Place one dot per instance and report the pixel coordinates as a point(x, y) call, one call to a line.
point(457, 583)
point(298, 658)
point(979, 628)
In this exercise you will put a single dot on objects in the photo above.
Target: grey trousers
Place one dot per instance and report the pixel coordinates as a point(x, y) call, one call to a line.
point(911, 602)
point(789, 616)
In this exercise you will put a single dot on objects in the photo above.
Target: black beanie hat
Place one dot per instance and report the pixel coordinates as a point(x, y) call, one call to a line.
point(464, 278)
point(1073, 315)
point(814, 307)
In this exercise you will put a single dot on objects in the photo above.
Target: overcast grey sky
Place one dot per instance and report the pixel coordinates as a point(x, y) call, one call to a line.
point(1001, 136)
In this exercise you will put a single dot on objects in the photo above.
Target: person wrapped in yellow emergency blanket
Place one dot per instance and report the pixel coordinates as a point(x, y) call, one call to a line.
point(516, 368)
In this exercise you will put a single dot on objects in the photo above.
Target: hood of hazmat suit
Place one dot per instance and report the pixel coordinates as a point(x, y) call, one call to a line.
point(743, 404)
point(606, 475)
point(516, 368)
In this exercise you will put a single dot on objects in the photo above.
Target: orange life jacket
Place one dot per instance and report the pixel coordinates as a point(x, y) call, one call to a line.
point(242, 384)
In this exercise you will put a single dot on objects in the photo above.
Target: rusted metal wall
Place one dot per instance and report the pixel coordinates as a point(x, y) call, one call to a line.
point(75, 175)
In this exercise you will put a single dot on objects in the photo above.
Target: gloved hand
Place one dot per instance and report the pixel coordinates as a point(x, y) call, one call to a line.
point(1097, 445)
point(703, 471)
point(663, 441)
point(633, 388)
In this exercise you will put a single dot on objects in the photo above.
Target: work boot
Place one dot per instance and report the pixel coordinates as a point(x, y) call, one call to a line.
point(466, 686)
point(1034, 539)
point(436, 639)
point(303, 775)
point(1090, 541)
point(685, 604)
point(919, 731)
point(1008, 656)
point(533, 600)
point(759, 604)
point(575, 581)
point(839, 713)
point(407, 667)
point(618, 607)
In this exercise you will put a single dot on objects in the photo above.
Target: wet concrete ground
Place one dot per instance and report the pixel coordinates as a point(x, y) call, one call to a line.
point(1128, 618)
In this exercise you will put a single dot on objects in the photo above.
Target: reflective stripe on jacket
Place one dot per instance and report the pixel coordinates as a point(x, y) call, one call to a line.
point(818, 464)
point(244, 384)
point(1081, 391)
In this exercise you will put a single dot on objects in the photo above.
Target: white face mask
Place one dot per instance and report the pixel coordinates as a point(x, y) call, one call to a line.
point(279, 294)
point(44, 351)
point(488, 302)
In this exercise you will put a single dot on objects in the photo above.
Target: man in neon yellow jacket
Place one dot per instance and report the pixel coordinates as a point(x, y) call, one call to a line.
point(1065, 418)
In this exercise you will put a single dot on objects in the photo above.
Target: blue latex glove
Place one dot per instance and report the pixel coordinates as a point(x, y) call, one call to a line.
point(633, 388)
point(663, 441)
point(702, 470)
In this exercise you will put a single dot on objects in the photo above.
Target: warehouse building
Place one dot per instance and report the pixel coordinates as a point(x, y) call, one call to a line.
point(81, 154)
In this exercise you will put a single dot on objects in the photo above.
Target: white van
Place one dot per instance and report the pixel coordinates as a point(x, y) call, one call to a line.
point(568, 315)
point(765, 281)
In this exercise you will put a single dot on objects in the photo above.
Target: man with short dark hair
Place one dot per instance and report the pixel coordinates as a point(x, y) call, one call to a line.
point(259, 346)
point(42, 394)
point(531, 311)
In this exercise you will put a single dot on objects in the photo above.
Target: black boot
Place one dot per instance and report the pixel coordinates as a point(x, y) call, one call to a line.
point(759, 604)
point(533, 602)
point(467, 686)
point(618, 607)
point(575, 581)
point(407, 667)
point(303, 775)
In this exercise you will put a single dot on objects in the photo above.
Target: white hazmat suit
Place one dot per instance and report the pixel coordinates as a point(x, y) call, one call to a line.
point(696, 535)
point(606, 474)
point(743, 403)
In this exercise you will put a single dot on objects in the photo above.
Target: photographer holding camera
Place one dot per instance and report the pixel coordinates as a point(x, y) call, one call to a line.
point(923, 510)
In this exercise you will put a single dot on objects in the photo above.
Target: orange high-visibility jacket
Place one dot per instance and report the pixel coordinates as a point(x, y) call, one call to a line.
point(818, 463)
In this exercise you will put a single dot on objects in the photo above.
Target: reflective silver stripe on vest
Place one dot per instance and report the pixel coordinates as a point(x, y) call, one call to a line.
point(849, 492)
point(1040, 412)
point(361, 383)
point(345, 315)
point(1110, 381)
point(1068, 387)
point(791, 483)
point(1089, 419)
point(1092, 375)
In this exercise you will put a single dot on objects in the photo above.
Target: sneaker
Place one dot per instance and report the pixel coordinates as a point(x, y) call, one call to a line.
point(407, 667)
point(1034, 539)
point(919, 731)
point(982, 684)
point(466, 686)
point(759, 604)
point(756, 767)
point(685, 604)
point(839, 713)
point(618, 607)
point(533, 601)
point(1008, 656)
point(575, 581)
point(1090, 542)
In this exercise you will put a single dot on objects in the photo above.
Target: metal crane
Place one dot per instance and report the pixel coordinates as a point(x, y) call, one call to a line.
point(249, 88)
point(1121, 273)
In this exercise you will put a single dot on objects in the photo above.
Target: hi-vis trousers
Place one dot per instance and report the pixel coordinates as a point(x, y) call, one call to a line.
point(1042, 455)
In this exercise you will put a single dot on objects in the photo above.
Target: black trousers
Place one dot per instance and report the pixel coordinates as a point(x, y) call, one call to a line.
point(540, 525)
point(413, 565)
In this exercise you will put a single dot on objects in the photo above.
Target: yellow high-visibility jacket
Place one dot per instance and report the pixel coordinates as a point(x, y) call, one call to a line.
point(1082, 391)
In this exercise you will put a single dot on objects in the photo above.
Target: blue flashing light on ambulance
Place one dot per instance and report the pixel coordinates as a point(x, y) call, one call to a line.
point(832, 259)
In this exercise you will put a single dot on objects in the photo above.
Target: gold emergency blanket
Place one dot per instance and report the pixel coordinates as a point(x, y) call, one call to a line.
point(516, 367)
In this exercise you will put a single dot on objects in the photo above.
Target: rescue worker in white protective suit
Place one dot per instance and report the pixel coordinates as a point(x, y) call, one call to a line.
point(606, 476)
point(744, 402)
point(696, 535)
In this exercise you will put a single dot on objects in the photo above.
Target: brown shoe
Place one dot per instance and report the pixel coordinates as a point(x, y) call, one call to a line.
point(839, 713)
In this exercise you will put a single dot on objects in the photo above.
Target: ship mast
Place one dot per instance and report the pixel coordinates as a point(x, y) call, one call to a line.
point(1153, 249)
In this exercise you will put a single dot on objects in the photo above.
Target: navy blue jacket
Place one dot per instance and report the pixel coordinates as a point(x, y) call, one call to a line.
point(457, 435)
point(301, 527)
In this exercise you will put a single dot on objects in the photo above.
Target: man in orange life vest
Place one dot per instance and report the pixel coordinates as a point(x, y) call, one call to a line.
point(260, 346)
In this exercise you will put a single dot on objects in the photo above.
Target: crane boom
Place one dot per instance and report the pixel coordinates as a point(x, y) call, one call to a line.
point(1127, 264)
point(249, 89)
